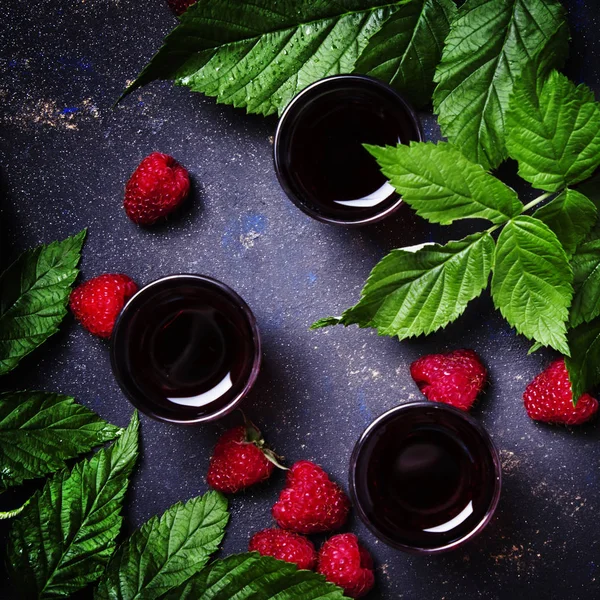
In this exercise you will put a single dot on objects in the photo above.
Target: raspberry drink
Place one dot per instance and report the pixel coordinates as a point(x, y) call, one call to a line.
point(186, 349)
point(319, 155)
point(425, 477)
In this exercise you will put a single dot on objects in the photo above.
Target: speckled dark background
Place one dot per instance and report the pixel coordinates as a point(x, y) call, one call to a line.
point(66, 154)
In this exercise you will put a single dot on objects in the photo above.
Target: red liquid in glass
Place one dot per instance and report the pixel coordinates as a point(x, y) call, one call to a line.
point(425, 479)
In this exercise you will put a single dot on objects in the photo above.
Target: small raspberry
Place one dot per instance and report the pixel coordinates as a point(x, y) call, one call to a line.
point(285, 545)
point(455, 378)
point(310, 502)
point(549, 398)
point(156, 188)
point(180, 6)
point(239, 460)
point(346, 563)
point(97, 303)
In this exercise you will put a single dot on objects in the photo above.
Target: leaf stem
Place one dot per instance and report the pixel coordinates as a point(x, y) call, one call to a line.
point(9, 514)
point(536, 201)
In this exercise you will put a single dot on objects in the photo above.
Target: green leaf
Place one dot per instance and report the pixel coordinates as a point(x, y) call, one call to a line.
point(167, 550)
point(531, 285)
point(586, 283)
point(489, 44)
point(584, 364)
point(414, 293)
point(253, 577)
point(40, 430)
point(326, 322)
point(553, 134)
point(408, 47)
point(535, 347)
point(571, 216)
point(64, 538)
point(444, 186)
point(34, 292)
point(259, 55)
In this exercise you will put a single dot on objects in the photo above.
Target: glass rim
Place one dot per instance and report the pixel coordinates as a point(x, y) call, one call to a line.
point(235, 299)
point(481, 432)
point(296, 103)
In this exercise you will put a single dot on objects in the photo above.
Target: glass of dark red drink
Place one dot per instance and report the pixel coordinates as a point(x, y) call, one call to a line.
point(186, 349)
point(425, 477)
point(319, 156)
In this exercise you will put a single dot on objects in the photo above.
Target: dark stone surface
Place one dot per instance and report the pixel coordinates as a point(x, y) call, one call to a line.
point(65, 157)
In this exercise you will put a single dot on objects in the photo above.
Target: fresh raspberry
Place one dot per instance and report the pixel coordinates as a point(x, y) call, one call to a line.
point(180, 6)
point(310, 502)
point(285, 545)
point(156, 188)
point(549, 398)
point(455, 378)
point(239, 460)
point(97, 303)
point(346, 563)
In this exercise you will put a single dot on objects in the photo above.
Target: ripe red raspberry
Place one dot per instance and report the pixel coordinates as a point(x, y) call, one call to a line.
point(549, 398)
point(97, 303)
point(455, 378)
point(310, 502)
point(240, 460)
point(285, 545)
point(180, 6)
point(346, 563)
point(156, 188)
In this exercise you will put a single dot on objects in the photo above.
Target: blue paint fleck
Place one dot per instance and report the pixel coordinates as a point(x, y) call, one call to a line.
point(364, 410)
point(241, 232)
point(254, 222)
point(274, 320)
point(12, 63)
point(312, 278)
point(82, 64)
point(69, 110)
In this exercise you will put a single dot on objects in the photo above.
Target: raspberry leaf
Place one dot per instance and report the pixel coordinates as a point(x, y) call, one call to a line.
point(584, 364)
point(413, 293)
point(532, 281)
point(253, 577)
point(586, 283)
point(258, 55)
point(408, 47)
point(167, 550)
point(34, 292)
point(444, 186)
point(489, 44)
point(553, 132)
point(39, 431)
point(65, 536)
point(571, 216)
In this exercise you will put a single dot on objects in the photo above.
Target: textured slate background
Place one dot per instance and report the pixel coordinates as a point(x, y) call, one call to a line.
point(66, 155)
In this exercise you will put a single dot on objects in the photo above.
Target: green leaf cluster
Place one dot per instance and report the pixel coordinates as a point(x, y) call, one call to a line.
point(39, 431)
point(64, 537)
point(167, 550)
point(259, 55)
point(250, 576)
point(487, 50)
point(545, 268)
